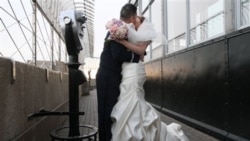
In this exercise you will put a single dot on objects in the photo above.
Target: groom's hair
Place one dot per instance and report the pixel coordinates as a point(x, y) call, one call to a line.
point(127, 11)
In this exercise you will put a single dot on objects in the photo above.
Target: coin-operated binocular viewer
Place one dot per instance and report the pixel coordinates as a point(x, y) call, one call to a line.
point(72, 25)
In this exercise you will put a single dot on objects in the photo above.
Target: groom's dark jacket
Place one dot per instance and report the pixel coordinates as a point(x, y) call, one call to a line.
point(108, 80)
point(114, 54)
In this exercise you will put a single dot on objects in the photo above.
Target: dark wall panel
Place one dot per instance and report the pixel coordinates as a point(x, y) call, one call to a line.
point(153, 84)
point(175, 77)
point(194, 84)
point(209, 83)
point(239, 82)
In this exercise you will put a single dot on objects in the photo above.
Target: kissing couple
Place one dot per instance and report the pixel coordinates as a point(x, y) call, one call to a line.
point(123, 113)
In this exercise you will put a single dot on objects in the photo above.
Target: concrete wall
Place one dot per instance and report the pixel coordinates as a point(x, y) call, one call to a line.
point(33, 88)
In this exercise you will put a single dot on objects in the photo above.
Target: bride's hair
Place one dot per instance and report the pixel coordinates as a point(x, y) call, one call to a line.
point(141, 18)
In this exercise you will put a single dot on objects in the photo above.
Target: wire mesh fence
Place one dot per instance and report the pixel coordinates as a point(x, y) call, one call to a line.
point(30, 32)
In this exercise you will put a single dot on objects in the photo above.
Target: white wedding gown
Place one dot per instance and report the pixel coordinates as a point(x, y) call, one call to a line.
point(134, 118)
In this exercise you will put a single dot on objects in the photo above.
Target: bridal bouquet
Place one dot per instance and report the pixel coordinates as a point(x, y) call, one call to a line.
point(117, 29)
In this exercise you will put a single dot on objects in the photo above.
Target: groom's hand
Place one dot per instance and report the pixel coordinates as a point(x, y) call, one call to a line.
point(121, 41)
point(142, 58)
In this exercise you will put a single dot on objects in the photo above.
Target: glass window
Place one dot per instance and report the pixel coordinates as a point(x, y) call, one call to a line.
point(145, 4)
point(176, 25)
point(133, 1)
point(156, 13)
point(206, 19)
point(244, 13)
point(156, 18)
point(148, 50)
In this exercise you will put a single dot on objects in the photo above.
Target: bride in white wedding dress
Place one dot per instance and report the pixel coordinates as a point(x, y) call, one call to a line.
point(134, 118)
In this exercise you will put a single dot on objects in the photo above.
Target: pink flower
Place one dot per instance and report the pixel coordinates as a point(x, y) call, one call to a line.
point(113, 28)
point(117, 29)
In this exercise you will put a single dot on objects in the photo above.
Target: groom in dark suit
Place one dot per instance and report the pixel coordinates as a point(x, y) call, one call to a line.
point(108, 77)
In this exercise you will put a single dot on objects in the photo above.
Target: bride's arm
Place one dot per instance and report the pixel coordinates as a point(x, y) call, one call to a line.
point(139, 48)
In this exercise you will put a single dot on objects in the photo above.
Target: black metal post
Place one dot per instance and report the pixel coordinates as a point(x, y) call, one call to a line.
point(73, 96)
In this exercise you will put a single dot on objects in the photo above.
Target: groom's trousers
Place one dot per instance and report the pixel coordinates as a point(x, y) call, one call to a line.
point(107, 84)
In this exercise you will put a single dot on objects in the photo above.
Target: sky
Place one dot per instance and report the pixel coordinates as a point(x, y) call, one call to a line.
point(105, 10)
